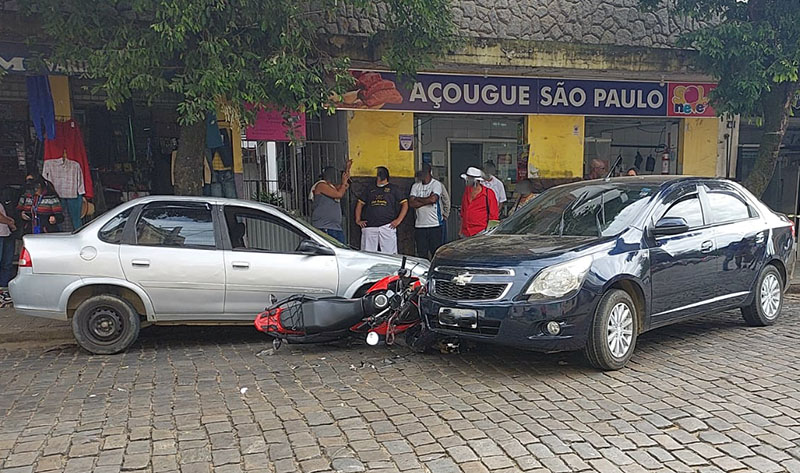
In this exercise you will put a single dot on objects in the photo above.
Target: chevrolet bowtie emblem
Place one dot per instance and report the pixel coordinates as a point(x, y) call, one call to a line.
point(462, 279)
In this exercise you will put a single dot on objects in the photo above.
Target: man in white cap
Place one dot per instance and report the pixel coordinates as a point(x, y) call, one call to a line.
point(479, 207)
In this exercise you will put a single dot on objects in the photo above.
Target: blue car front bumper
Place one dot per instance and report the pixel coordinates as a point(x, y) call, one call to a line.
point(520, 324)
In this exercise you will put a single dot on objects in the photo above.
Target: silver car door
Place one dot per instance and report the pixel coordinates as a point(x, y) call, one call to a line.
point(174, 258)
point(263, 261)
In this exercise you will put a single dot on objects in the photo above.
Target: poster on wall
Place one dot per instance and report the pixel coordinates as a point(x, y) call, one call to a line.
point(406, 142)
point(454, 93)
point(523, 171)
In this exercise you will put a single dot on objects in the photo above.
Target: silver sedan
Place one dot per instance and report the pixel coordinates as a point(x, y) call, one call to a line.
point(168, 260)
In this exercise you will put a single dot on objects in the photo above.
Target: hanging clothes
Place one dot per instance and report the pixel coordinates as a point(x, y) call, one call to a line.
point(66, 177)
point(650, 164)
point(637, 161)
point(40, 102)
point(213, 138)
point(69, 139)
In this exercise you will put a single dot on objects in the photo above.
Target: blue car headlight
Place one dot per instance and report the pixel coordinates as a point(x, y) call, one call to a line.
point(560, 280)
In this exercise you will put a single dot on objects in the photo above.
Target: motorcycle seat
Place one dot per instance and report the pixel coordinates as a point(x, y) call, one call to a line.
point(330, 314)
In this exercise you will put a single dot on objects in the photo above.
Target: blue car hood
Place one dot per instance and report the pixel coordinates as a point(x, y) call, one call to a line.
point(512, 250)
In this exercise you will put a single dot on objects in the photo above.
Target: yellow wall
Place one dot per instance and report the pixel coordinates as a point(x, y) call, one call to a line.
point(698, 146)
point(556, 145)
point(59, 89)
point(374, 140)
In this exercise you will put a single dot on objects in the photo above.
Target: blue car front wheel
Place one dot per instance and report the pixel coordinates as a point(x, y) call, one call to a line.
point(612, 336)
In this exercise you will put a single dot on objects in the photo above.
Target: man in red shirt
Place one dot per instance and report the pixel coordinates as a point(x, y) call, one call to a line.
point(478, 205)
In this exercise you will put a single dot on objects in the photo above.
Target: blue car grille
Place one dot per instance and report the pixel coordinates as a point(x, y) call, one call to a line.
point(468, 292)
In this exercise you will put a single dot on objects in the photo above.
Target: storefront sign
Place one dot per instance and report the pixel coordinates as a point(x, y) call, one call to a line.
point(525, 95)
point(270, 126)
point(690, 100)
point(16, 58)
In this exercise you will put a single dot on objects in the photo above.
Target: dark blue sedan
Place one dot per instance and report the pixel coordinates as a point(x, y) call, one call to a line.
point(591, 265)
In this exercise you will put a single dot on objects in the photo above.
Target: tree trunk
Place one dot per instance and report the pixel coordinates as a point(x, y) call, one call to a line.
point(188, 170)
point(777, 105)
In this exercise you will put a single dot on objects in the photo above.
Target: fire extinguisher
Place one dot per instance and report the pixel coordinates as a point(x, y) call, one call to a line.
point(665, 156)
point(665, 162)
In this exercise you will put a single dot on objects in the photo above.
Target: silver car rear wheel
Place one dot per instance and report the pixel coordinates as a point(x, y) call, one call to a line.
point(105, 324)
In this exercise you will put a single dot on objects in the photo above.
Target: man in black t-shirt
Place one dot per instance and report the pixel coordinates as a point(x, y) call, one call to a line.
point(379, 213)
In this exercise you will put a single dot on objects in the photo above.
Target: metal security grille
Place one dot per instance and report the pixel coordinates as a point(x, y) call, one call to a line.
point(288, 182)
point(468, 292)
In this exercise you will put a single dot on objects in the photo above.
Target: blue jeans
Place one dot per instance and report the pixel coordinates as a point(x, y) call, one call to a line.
point(222, 184)
point(6, 260)
point(338, 234)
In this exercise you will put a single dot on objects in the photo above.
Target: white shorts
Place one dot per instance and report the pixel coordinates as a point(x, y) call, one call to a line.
point(382, 239)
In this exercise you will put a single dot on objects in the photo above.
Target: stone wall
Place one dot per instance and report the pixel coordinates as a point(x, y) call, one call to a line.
point(607, 22)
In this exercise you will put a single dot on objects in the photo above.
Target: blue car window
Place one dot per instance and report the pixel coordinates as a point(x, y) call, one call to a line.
point(689, 209)
point(725, 207)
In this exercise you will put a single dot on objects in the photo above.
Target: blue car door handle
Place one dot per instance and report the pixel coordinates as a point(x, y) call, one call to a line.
point(760, 238)
point(707, 246)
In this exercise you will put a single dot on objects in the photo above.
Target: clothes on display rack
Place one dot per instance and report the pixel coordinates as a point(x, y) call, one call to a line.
point(40, 102)
point(72, 208)
point(224, 151)
point(66, 176)
point(69, 140)
point(67, 179)
point(213, 138)
point(220, 159)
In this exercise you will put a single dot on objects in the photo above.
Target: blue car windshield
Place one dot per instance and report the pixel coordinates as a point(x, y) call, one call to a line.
point(593, 209)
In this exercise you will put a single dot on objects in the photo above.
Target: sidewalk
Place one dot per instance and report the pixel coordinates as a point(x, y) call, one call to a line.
point(17, 328)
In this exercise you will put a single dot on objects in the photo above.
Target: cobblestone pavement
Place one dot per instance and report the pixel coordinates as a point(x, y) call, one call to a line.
point(708, 395)
point(20, 329)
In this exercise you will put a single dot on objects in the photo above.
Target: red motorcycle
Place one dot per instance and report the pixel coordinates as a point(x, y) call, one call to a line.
point(388, 309)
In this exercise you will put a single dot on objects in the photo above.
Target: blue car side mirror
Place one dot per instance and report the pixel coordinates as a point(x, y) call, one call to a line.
point(670, 226)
